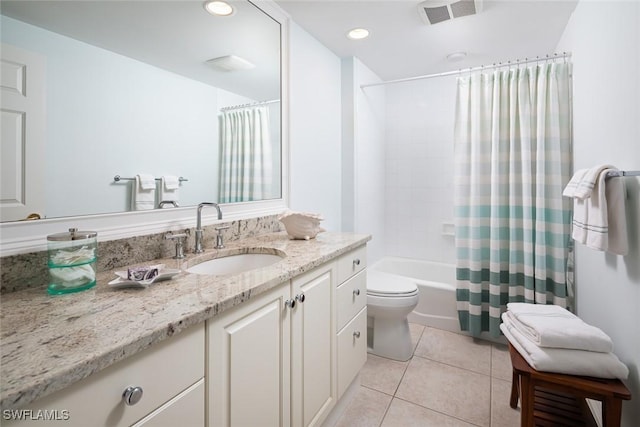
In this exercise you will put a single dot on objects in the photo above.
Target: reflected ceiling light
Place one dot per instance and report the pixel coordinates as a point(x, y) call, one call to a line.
point(230, 63)
point(219, 8)
point(358, 34)
point(456, 56)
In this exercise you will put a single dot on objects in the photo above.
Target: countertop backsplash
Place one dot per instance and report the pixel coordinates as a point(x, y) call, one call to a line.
point(23, 271)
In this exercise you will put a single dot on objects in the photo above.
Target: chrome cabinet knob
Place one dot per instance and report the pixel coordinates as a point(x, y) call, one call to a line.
point(132, 395)
point(356, 262)
point(356, 292)
point(300, 298)
point(356, 334)
point(290, 303)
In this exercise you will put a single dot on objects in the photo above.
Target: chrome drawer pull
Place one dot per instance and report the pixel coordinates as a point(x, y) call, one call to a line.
point(356, 292)
point(356, 262)
point(132, 395)
point(290, 303)
point(300, 298)
point(356, 334)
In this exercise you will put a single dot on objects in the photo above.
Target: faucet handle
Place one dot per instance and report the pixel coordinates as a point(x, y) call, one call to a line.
point(219, 240)
point(179, 239)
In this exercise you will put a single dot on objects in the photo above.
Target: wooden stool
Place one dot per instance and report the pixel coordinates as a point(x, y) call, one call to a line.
point(549, 399)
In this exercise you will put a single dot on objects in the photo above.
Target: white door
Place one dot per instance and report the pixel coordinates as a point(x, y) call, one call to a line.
point(22, 144)
point(313, 384)
point(248, 363)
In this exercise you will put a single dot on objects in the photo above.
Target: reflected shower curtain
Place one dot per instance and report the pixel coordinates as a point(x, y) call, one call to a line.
point(512, 161)
point(245, 155)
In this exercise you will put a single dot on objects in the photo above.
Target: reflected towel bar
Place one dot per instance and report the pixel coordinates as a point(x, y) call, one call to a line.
point(118, 178)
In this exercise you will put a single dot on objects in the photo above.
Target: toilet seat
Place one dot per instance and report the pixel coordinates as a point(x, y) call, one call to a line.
point(390, 286)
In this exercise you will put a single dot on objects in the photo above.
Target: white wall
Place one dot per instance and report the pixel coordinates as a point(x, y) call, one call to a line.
point(363, 142)
point(604, 38)
point(419, 165)
point(315, 129)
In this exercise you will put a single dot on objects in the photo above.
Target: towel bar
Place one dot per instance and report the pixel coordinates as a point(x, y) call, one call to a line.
point(118, 178)
point(613, 174)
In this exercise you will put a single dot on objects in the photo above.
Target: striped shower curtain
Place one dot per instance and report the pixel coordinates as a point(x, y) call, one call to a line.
point(512, 160)
point(245, 155)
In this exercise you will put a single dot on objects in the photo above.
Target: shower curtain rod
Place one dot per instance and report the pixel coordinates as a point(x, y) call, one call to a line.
point(253, 104)
point(468, 70)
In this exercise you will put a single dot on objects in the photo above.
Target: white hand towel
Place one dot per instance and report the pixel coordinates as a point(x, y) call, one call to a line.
point(143, 193)
point(616, 195)
point(560, 331)
point(600, 219)
point(574, 182)
point(588, 182)
point(169, 188)
point(563, 361)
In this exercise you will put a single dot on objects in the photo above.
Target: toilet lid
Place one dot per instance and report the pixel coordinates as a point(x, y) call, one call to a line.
point(383, 284)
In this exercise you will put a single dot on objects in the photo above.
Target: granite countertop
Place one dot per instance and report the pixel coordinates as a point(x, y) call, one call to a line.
point(49, 342)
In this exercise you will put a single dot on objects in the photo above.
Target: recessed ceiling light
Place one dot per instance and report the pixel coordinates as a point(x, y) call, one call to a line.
point(358, 34)
point(456, 56)
point(219, 8)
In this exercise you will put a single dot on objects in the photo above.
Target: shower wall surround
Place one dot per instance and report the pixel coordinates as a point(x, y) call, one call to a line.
point(419, 168)
point(30, 270)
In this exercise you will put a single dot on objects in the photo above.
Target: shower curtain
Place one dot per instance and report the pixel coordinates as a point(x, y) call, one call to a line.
point(512, 161)
point(245, 155)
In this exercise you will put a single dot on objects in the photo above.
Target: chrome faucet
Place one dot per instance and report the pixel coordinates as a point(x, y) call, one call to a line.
point(199, 233)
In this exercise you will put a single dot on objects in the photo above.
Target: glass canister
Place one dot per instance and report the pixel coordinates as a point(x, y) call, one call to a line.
point(72, 261)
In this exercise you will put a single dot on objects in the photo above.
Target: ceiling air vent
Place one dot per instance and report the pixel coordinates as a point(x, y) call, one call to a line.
point(434, 11)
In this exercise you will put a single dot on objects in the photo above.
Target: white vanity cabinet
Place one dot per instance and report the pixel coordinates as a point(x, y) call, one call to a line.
point(248, 350)
point(170, 375)
point(351, 325)
point(313, 363)
point(271, 359)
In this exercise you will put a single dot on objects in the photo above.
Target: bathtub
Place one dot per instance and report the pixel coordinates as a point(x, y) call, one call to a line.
point(436, 287)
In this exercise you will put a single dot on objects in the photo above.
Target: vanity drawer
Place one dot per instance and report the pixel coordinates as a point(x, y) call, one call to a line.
point(351, 263)
point(352, 350)
point(162, 371)
point(351, 298)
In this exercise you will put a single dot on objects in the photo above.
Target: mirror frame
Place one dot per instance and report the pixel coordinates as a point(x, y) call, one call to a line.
point(20, 237)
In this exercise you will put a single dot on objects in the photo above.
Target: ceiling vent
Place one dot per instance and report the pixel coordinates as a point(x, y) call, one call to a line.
point(434, 11)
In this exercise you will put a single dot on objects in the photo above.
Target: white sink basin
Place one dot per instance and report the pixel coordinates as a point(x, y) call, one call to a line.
point(234, 264)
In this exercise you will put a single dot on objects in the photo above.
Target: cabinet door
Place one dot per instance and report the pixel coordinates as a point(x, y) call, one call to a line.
point(248, 361)
point(313, 387)
point(352, 350)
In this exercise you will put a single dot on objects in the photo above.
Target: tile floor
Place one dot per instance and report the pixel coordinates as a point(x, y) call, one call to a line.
point(452, 380)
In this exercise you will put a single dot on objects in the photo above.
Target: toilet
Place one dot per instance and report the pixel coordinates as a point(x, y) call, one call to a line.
point(389, 300)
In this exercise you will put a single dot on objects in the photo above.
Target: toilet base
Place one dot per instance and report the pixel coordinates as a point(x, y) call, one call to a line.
point(389, 338)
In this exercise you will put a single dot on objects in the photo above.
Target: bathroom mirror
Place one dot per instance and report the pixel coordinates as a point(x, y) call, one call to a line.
point(131, 87)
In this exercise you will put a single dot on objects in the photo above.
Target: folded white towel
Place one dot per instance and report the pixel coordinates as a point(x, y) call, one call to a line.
point(591, 217)
point(169, 188)
point(588, 180)
point(571, 188)
point(146, 181)
point(563, 361)
point(560, 331)
point(143, 194)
